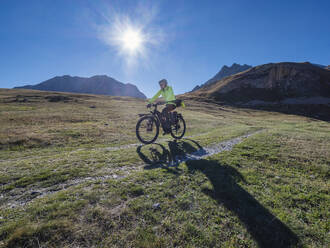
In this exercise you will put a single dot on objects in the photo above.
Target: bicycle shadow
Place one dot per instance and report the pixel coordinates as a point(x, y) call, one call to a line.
point(265, 228)
point(157, 156)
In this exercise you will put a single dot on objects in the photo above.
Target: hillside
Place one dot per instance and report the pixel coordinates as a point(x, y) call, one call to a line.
point(225, 71)
point(287, 87)
point(271, 82)
point(72, 174)
point(102, 85)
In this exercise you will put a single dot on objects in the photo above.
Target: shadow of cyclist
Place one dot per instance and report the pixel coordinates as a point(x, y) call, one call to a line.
point(157, 156)
point(264, 227)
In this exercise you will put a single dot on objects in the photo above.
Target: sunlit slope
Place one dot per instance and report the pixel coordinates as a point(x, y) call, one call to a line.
point(273, 82)
point(72, 174)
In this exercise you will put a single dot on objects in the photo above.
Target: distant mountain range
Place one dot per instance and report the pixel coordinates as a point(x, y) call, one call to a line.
point(102, 85)
point(286, 83)
point(224, 72)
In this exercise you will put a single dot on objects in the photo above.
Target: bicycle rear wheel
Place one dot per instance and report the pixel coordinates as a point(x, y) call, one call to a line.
point(178, 129)
point(147, 129)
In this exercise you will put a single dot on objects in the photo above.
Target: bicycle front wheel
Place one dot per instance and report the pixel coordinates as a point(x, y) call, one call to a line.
point(147, 129)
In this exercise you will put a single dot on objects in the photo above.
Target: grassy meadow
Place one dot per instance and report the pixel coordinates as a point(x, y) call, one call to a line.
point(72, 174)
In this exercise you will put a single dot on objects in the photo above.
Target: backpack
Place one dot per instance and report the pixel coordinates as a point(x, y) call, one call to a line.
point(179, 103)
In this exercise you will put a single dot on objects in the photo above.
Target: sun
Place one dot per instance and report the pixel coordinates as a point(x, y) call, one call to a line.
point(132, 40)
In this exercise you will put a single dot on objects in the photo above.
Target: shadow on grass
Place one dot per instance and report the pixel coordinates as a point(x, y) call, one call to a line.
point(157, 156)
point(265, 228)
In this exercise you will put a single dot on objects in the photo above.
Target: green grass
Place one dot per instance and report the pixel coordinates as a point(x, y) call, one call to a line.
point(271, 190)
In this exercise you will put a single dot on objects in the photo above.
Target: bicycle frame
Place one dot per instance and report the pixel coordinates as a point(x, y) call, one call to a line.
point(157, 115)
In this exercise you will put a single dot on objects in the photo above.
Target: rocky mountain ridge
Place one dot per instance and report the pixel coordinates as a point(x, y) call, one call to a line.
point(225, 71)
point(270, 82)
point(100, 84)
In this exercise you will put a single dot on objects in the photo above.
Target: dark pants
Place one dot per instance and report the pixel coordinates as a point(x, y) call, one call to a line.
point(166, 114)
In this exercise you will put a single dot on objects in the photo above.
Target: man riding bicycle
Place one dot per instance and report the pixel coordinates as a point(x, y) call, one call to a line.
point(167, 93)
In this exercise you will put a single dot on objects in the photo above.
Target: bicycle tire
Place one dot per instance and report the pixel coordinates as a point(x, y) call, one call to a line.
point(138, 127)
point(184, 128)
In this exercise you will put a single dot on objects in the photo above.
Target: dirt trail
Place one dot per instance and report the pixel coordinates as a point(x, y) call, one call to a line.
point(211, 150)
point(21, 197)
point(109, 148)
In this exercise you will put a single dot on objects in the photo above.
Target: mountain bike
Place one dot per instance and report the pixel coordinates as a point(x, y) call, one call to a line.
point(147, 127)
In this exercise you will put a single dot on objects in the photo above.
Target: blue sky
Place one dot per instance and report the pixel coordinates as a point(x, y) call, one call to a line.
point(189, 40)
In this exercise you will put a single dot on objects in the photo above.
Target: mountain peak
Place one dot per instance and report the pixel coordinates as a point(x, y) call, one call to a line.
point(100, 76)
point(98, 84)
point(225, 72)
point(64, 76)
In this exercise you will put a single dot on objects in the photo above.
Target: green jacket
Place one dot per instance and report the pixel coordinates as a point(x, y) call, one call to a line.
point(167, 94)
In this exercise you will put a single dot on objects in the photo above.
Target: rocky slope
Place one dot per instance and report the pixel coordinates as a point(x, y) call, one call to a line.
point(103, 85)
point(270, 83)
point(225, 72)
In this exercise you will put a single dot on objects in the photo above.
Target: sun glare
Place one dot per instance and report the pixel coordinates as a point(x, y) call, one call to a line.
point(132, 40)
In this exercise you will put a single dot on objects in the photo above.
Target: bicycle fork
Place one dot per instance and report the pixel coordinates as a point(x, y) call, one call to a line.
point(149, 126)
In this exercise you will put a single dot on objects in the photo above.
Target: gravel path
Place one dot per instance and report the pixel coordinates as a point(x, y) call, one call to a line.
point(203, 152)
point(21, 197)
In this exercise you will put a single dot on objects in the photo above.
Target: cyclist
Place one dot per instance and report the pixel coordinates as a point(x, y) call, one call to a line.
point(167, 93)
